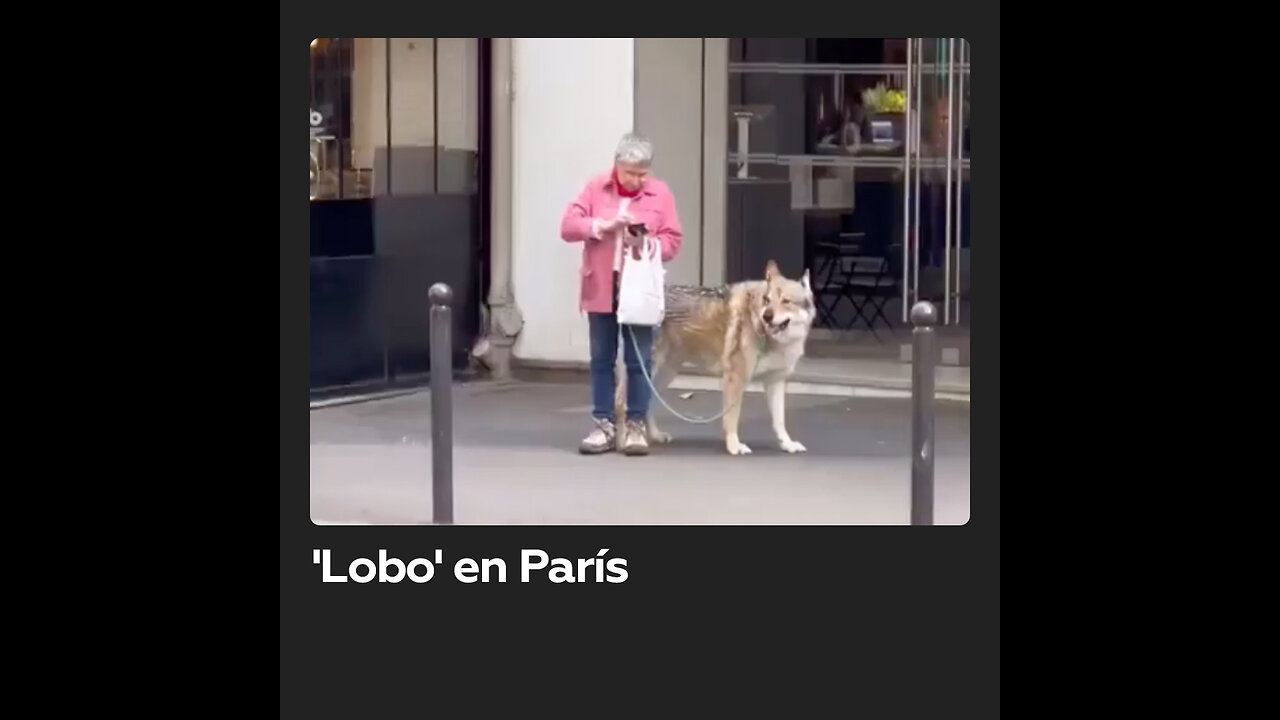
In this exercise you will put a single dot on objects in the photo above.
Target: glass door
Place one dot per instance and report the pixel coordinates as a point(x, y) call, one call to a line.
point(936, 203)
point(818, 151)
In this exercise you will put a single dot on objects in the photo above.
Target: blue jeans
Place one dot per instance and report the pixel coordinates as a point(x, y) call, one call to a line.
point(604, 331)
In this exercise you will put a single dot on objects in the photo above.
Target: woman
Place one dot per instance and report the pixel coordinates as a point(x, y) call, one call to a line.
point(598, 218)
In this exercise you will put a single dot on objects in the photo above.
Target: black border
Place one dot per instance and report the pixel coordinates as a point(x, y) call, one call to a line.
point(896, 622)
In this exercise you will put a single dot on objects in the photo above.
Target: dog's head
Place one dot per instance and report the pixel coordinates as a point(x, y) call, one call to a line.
point(786, 309)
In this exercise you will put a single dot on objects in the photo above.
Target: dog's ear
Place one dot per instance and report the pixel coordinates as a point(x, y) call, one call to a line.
point(804, 280)
point(771, 271)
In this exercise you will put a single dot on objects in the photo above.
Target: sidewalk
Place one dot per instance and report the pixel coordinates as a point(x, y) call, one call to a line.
point(516, 462)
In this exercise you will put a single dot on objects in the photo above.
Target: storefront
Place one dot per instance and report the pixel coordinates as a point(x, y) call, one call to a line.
point(844, 158)
point(451, 159)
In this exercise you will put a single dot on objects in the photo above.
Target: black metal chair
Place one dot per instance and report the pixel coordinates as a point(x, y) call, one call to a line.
point(873, 279)
point(831, 280)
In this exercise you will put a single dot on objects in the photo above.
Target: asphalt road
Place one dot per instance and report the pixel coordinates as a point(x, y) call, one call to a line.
point(516, 462)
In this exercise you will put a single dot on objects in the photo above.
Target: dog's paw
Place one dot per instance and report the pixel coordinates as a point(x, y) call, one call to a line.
point(791, 446)
point(660, 437)
point(738, 449)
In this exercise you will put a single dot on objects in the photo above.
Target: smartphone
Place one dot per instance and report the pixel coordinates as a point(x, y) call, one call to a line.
point(637, 229)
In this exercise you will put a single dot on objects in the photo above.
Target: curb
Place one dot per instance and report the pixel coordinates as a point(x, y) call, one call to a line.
point(362, 398)
point(878, 384)
point(815, 384)
point(800, 386)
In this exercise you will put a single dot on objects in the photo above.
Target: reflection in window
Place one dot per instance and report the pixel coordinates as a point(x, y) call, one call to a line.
point(332, 173)
point(420, 137)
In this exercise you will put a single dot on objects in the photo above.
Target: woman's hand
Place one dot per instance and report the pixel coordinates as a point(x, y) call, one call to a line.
point(608, 226)
point(632, 240)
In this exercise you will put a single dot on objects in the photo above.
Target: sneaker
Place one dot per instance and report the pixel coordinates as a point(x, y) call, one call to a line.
point(601, 439)
point(635, 440)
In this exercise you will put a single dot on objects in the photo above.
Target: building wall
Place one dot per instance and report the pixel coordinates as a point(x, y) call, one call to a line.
point(669, 112)
point(671, 89)
point(715, 159)
point(573, 99)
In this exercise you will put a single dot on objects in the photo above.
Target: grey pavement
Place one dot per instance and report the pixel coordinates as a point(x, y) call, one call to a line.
point(516, 462)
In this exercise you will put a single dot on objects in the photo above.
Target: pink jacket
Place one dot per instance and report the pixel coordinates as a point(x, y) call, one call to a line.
point(654, 206)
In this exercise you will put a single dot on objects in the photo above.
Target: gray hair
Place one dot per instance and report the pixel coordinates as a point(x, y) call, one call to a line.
point(634, 149)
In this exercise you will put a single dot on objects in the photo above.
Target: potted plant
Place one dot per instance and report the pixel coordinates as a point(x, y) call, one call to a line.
point(885, 105)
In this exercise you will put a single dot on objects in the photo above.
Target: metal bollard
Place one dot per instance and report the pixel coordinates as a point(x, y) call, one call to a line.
point(923, 362)
point(441, 296)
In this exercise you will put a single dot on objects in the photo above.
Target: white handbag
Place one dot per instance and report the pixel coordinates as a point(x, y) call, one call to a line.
point(641, 288)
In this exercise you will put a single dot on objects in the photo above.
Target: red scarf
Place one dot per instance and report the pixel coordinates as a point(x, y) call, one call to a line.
point(623, 191)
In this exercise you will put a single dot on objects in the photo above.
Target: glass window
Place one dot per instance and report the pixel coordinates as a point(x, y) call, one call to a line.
point(394, 116)
point(334, 175)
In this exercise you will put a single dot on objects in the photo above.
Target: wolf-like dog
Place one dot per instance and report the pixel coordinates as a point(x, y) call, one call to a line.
point(753, 325)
